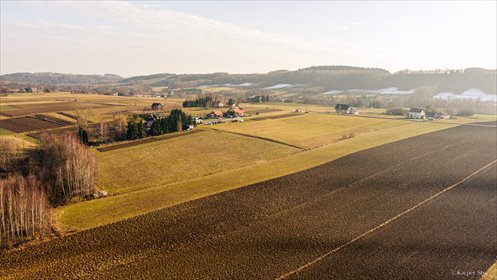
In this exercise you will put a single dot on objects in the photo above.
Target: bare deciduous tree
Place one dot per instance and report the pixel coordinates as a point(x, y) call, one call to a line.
point(24, 210)
point(68, 168)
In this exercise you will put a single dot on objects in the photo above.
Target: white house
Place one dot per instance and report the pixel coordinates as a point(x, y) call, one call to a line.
point(346, 109)
point(416, 113)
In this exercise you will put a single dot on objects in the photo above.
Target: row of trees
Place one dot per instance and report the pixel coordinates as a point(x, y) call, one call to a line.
point(58, 170)
point(206, 101)
point(175, 122)
point(136, 128)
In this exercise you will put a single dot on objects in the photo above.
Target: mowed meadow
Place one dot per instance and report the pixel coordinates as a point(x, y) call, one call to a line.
point(312, 130)
point(182, 158)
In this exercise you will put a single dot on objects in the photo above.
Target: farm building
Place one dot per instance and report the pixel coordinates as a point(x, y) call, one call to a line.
point(416, 113)
point(214, 115)
point(346, 109)
point(156, 106)
point(31, 90)
point(235, 112)
point(218, 104)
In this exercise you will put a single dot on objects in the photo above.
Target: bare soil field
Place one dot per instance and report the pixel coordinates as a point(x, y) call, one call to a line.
point(53, 119)
point(29, 109)
point(24, 124)
point(441, 243)
point(68, 115)
point(420, 208)
point(57, 131)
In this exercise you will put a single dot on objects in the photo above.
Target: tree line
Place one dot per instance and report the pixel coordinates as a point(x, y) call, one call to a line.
point(60, 169)
point(176, 121)
point(206, 101)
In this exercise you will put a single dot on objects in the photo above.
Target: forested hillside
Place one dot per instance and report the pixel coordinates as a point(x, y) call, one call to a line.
point(324, 77)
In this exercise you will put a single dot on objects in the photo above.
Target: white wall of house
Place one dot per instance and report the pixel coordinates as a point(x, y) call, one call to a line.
point(415, 115)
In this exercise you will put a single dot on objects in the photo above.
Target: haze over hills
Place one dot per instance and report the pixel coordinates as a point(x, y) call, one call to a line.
point(324, 77)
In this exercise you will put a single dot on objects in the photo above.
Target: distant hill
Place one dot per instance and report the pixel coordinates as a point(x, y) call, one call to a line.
point(59, 79)
point(333, 77)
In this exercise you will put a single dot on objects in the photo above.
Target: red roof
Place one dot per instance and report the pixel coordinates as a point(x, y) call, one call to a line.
point(238, 110)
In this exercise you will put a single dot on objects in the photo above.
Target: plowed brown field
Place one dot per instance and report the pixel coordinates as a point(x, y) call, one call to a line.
point(420, 208)
point(29, 109)
point(24, 124)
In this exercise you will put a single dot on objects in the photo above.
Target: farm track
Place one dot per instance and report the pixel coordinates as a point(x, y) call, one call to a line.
point(268, 229)
point(276, 117)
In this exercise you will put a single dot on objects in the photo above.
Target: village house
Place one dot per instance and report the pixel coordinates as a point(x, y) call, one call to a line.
point(234, 112)
point(346, 109)
point(214, 115)
point(416, 113)
point(156, 106)
point(31, 90)
point(218, 104)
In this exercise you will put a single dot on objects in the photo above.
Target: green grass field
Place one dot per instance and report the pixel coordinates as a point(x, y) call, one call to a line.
point(6, 108)
point(311, 130)
point(155, 196)
point(183, 158)
point(4, 132)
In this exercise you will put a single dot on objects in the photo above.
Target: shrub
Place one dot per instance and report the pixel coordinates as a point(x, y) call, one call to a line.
point(10, 150)
point(465, 113)
point(396, 112)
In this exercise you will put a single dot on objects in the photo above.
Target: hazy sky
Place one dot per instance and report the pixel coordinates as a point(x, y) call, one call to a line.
point(136, 38)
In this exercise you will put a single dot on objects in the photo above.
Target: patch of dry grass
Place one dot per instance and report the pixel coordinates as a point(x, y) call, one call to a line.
point(183, 158)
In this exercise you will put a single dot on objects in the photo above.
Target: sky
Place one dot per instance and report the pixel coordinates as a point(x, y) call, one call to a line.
point(139, 38)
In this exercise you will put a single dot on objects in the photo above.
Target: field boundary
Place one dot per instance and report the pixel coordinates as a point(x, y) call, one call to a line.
point(146, 140)
point(275, 117)
point(262, 138)
point(322, 257)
